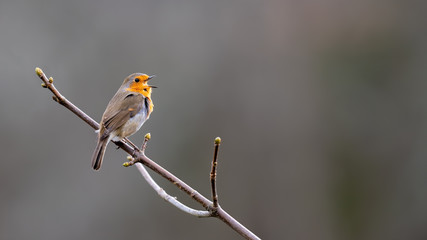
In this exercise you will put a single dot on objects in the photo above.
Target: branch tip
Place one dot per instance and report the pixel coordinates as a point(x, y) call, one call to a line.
point(39, 72)
point(213, 174)
point(147, 137)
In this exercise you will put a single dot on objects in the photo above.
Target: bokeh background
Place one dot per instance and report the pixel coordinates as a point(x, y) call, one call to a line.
point(321, 105)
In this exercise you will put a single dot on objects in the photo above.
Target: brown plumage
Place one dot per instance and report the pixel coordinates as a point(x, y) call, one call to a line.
point(126, 112)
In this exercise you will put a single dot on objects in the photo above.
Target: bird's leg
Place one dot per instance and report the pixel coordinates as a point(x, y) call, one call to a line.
point(130, 157)
point(135, 148)
point(132, 161)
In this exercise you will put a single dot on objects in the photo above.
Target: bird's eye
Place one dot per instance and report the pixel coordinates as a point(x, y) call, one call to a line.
point(145, 89)
point(136, 79)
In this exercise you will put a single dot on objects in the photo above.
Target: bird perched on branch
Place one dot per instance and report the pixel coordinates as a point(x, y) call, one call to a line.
point(126, 112)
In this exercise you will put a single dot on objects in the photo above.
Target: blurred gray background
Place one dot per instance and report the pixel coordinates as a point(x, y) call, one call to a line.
point(321, 105)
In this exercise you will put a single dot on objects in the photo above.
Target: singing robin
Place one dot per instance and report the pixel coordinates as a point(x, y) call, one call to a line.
point(126, 112)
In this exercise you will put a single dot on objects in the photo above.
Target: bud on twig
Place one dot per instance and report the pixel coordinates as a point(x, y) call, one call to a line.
point(39, 71)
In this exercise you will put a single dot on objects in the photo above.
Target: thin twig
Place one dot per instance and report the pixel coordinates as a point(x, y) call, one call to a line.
point(48, 83)
point(213, 173)
point(162, 193)
point(140, 157)
point(147, 138)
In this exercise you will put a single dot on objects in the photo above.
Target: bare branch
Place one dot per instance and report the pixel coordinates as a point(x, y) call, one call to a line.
point(139, 156)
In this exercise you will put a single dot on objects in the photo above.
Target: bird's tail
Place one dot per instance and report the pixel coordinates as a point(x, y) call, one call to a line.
point(99, 152)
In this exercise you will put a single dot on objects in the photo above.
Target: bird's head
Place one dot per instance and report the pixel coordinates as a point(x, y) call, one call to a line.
point(138, 82)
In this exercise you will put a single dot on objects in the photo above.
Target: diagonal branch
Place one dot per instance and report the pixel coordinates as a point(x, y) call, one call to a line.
point(139, 156)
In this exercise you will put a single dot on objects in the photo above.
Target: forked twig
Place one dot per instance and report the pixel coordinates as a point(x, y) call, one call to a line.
point(139, 157)
point(160, 191)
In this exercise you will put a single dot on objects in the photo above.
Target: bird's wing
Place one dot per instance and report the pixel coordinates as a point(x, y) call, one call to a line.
point(120, 109)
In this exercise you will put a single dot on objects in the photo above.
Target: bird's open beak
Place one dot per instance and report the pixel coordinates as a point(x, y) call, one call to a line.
point(149, 78)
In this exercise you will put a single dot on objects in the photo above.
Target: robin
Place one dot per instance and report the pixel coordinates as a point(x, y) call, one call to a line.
point(126, 112)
